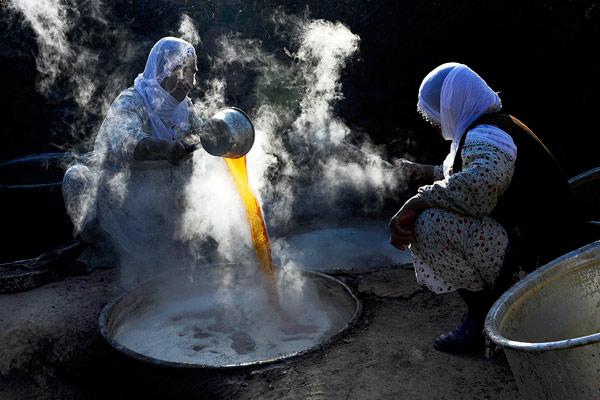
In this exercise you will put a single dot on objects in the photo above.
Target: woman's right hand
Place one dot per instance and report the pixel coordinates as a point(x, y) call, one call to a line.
point(414, 171)
point(152, 149)
point(177, 152)
point(402, 225)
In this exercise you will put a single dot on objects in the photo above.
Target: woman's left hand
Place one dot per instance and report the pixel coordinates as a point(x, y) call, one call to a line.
point(403, 223)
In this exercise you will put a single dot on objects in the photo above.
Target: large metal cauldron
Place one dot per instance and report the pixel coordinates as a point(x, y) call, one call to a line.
point(355, 246)
point(197, 329)
point(33, 215)
point(549, 326)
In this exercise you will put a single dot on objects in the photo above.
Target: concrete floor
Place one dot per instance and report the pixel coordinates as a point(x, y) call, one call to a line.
point(50, 348)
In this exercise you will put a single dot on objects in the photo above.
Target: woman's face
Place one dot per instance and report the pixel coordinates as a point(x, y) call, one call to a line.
point(181, 80)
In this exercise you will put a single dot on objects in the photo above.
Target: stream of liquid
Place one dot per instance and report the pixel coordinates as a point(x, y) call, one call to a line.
point(258, 229)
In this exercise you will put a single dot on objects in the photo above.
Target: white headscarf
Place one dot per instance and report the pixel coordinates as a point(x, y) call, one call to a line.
point(453, 96)
point(166, 113)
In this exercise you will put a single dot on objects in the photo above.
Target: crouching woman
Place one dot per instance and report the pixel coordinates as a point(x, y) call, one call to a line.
point(493, 202)
point(129, 192)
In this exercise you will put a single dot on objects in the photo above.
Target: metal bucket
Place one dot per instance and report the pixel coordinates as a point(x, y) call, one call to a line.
point(229, 133)
point(549, 327)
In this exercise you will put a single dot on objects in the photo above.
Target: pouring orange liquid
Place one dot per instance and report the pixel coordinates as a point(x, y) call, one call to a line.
point(258, 229)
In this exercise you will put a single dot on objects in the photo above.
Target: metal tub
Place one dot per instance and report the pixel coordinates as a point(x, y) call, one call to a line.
point(211, 360)
point(33, 213)
point(549, 327)
point(349, 247)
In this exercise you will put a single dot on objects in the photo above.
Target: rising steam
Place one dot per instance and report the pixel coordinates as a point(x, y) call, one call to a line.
point(71, 68)
point(187, 30)
point(50, 22)
point(325, 48)
point(58, 57)
point(301, 165)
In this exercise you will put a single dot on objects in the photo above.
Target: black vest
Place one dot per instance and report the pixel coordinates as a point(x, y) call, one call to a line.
point(538, 210)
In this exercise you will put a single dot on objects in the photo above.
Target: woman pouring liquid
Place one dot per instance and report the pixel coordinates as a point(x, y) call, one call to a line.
point(131, 194)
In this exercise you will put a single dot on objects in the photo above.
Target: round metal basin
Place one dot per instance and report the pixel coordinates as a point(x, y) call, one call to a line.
point(225, 317)
point(357, 247)
point(549, 326)
point(33, 212)
point(586, 187)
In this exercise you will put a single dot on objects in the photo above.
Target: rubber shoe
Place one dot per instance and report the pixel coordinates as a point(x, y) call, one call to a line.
point(467, 338)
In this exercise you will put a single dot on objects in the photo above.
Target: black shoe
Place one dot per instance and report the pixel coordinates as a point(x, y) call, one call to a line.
point(467, 338)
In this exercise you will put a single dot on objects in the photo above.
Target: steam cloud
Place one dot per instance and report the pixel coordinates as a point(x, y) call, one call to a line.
point(49, 21)
point(70, 67)
point(301, 166)
point(188, 31)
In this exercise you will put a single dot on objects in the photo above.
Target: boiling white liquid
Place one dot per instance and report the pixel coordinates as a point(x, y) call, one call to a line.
point(228, 328)
point(344, 248)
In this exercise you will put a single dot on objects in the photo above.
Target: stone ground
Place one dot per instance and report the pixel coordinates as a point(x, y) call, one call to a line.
point(50, 348)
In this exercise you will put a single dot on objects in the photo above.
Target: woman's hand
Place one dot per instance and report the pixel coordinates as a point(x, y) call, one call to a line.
point(402, 225)
point(177, 153)
point(152, 149)
point(414, 171)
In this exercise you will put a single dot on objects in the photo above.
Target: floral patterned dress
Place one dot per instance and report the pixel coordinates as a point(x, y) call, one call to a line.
point(457, 245)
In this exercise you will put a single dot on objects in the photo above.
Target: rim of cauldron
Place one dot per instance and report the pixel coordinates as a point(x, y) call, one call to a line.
point(103, 325)
point(59, 159)
point(534, 279)
point(310, 225)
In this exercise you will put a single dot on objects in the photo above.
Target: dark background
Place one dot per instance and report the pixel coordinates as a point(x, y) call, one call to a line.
point(541, 56)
